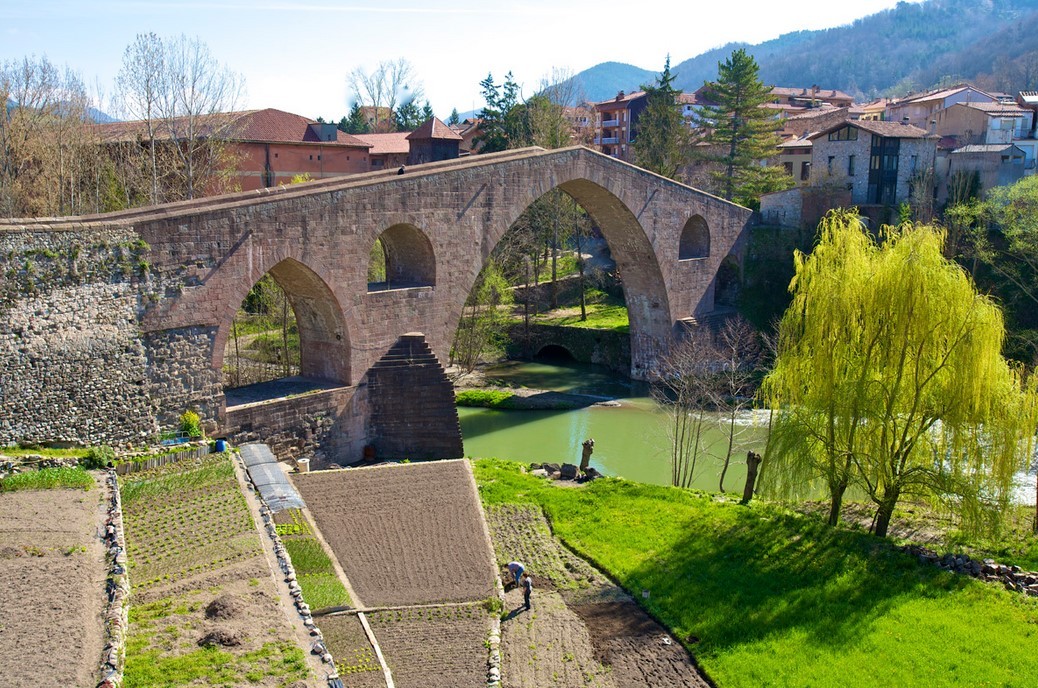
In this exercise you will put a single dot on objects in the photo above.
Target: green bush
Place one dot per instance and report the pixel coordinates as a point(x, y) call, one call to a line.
point(487, 398)
point(98, 457)
point(190, 424)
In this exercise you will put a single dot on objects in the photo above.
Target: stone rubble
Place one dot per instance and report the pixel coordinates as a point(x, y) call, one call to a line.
point(1012, 577)
point(117, 588)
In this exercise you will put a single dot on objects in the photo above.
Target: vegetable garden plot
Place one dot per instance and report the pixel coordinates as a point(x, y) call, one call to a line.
point(404, 534)
point(186, 521)
point(314, 571)
point(192, 546)
point(439, 647)
point(355, 659)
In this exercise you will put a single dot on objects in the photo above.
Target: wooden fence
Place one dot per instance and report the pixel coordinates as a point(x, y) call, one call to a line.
point(162, 460)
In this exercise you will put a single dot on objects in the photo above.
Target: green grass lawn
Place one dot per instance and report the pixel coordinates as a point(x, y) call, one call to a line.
point(767, 597)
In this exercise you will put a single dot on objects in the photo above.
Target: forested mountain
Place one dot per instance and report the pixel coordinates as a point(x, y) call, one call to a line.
point(912, 47)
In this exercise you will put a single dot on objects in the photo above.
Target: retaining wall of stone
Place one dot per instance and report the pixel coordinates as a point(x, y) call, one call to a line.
point(74, 367)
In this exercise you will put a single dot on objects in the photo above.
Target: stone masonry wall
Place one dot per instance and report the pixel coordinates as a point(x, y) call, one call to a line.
point(74, 366)
point(601, 347)
point(325, 426)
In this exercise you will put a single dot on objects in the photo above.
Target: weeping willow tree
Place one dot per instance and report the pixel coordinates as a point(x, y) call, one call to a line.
point(890, 375)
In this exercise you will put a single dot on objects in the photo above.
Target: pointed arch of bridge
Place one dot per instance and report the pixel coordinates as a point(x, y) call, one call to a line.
point(645, 290)
point(323, 335)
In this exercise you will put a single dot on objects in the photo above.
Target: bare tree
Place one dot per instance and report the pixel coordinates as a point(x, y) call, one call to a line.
point(198, 91)
point(740, 352)
point(390, 84)
point(686, 392)
point(42, 133)
point(140, 85)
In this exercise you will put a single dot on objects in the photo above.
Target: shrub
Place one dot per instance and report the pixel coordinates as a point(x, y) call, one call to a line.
point(489, 398)
point(190, 424)
point(98, 457)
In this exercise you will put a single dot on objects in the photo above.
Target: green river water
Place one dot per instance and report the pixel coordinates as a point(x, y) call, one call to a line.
point(630, 440)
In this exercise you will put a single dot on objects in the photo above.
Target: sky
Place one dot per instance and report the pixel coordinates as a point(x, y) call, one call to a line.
point(296, 56)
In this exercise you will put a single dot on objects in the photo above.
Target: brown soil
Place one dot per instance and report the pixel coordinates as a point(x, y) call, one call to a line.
point(439, 647)
point(354, 657)
point(404, 534)
point(53, 571)
point(582, 630)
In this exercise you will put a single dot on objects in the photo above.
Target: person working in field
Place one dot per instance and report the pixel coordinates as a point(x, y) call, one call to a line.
point(527, 590)
point(516, 569)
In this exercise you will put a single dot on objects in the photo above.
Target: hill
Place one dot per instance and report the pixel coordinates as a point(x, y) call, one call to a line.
point(910, 47)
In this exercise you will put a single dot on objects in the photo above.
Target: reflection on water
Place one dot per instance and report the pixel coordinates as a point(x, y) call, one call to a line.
point(630, 440)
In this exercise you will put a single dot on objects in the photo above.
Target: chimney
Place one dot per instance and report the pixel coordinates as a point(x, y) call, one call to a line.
point(933, 127)
point(620, 95)
point(904, 121)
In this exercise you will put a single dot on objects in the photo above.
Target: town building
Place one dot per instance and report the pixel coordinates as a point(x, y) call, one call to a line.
point(616, 123)
point(875, 161)
point(921, 110)
point(265, 147)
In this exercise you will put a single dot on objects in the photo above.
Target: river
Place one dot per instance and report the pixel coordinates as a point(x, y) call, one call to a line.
point(631, 440)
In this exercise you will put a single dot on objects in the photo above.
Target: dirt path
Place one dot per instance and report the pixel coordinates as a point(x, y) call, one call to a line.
point(53, 571)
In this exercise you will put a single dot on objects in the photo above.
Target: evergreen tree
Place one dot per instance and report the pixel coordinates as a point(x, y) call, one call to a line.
point(741, 134)
point(355, 122)
point(505, 123)
point(427, 112)
point(408, 116)
point(455, 118)
point(662, 138)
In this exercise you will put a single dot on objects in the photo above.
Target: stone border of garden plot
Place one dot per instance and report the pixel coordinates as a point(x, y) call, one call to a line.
point(317, 646)
point(117, 588)
point(1013, 578)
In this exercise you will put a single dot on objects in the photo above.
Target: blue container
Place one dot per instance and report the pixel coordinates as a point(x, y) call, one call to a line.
point(221, 445)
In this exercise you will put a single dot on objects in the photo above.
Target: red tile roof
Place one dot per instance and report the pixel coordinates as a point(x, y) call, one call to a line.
point(433, 128)
point(268, 125)
point(995, 109)
point(387, 144)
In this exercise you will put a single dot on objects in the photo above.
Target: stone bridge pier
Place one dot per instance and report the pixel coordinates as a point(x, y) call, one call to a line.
point(371, 354)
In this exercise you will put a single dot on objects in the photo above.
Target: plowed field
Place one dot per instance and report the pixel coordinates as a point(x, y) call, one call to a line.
point(404, 534)
point(52, 568)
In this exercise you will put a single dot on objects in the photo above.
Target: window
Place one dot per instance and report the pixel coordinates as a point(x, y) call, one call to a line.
point(311, 157)
point(805, 171)
point(850, 165)
point(789, 168)
point(844, 134)
point(829, 164)
point(913, 159)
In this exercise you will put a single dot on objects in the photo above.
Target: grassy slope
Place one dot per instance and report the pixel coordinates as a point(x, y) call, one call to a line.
point(780, 599)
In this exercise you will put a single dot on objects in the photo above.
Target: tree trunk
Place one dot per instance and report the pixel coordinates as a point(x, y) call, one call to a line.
point(583, 303)
point(836, 501)
point(728, 454)
point(753, 461)
point(885, 512)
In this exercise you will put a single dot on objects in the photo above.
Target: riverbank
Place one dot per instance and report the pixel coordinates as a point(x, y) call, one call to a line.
point(476, 390)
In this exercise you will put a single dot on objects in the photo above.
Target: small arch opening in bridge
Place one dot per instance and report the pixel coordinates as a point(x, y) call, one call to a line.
point(555, 353)
point(695, 239)
point(286, 337)
point(401, 258)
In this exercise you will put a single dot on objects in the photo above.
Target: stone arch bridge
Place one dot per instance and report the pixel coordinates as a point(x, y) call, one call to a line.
point(114, 324)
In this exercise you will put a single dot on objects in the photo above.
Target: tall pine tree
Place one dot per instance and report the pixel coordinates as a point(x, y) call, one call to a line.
point(662, 141)
point(742, 134)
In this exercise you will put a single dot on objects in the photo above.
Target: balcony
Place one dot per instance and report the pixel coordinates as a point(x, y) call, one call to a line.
point(611, 123)
point(607, 140)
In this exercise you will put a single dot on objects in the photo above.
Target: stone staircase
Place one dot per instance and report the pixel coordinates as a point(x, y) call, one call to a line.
point(413, 415)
